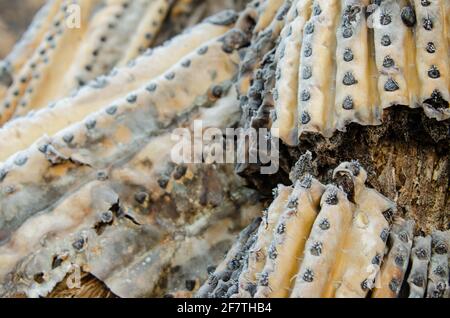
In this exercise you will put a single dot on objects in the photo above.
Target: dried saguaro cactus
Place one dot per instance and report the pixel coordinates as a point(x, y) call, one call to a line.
point(101, 194)
point(346, 61)
point(320, 241)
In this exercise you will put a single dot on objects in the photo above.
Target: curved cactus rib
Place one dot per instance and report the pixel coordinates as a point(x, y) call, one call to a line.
point(363, 251)
point(324, 244)
point(27, 72)
point(438, 270)
point(289, 238)
point(317, 71)
point(67, 159)
point(267, 13)
point(287, 56)
point(432, 58)
point(420, 258)
point(355, 101)
point(39, 82)
point(29, 42)
point(121, 228)
point(233, 259)
point(397, 79)
point(147, 30)
point(390, 280)
point(258, 252)
point(22, 132)
point(263, 43)
point(106, 42)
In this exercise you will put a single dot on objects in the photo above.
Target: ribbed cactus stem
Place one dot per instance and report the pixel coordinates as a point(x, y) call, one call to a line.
point(324, 244)
point(267, 13)
point(361, 257)
point(22, 132)
point(397, 79)
point(432, 57)
point(40, 79)
point(287, 55)
point(316, 73)
point(251, 273)
point(147, 30)
point(231, 262)
point(67, 159)
point(420, 258)
point(393, 270)
point(32, 38)
point(289, 238)
point(438, 275)
point(356, 102)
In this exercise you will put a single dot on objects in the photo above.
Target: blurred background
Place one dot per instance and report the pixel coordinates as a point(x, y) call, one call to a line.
point(15, 15)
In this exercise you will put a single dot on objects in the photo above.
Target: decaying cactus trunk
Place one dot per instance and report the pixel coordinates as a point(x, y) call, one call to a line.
point(354, 92)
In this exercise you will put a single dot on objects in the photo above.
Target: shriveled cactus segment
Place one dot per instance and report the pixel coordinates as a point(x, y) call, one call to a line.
point(139, 222)
point(420, 258)
point(108, 136)
point(438, 276)
point(258, 253)
point(147, 30)
point(40, 79)
point(288, 52)
point(25, 48)
point(22, 132)
point(324, 244)
point(316, 73)
point(363, 252)
point(397, 79)
point(432, 57)
point(289, 238)
point(222, 274)
point(355, 101)
point(393, 270)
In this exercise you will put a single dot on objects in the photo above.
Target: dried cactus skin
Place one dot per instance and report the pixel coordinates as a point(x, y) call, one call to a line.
point(22, 132)
point(228, 264)
point(175, 227)
point(288, 52)
point(35, 86)
point(267, 13)
point(289, 238)
point(147, 30)
point(24, 49)
point(395, 62)
point(110, 33)
point(119, 130)
point(258, 252)
point(420, 258)
point(313, 273)
point(362, 254)
point(316, 114)
point(434, 85)
point(92, 97)
point(393, 270)
point(438, 270)
point(357, 102)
